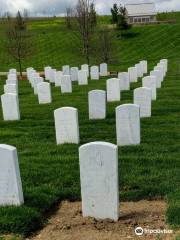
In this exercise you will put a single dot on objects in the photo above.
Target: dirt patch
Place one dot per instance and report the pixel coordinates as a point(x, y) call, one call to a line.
point(68, 223)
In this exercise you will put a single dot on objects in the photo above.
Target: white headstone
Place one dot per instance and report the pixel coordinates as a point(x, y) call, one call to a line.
point(142, 98)
point(165, 61)
point(12, 76)
point(31, 76)
point(11, 82)
point(44, 93)
point(159, 77)
point(52, 75)
point(113, 90)
point(74, 73)
point(13, 71)
point(128, 124)
point(11, 88)
point(34, 76)
point(66, 70)
point(97, 104)
point(82, 77)
point(66, 84)
point(133, 77)
point(94, 73)
point(29, 71)
point(150, 82)
point(163, 66)
point(124, 81)
point(67, 126)
point(161, 69)
point(10, 107)
point(47, 73)
point(140, 71)
point(103, 69)
point(99, 180)
point(144, 66)
point(36, 82)
point(10, 181)
point(58, 78)
point(85, 67)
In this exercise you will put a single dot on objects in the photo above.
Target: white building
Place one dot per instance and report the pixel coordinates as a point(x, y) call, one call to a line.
point(141, 12)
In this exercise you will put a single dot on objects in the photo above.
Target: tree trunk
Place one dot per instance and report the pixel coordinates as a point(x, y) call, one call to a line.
point(87, 51)
point(20, 68)
point(87, 55)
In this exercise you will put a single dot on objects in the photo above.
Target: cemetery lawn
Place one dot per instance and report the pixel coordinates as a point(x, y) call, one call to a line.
point(50, 173)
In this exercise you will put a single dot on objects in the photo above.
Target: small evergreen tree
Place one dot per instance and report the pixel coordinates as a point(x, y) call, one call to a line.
point(115, 12)
point(93, 15)
point(122, 23)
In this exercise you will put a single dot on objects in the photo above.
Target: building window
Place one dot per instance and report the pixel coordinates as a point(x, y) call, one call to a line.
point(143, 19)
point(137, 20)
point(131, 20)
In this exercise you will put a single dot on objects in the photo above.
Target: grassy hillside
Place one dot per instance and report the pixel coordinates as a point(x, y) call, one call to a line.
point(50, 173)
point(56, 46)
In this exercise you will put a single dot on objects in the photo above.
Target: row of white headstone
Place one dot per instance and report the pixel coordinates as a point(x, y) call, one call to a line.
point(66, 118)
point(76, 74)
point(148, 92)
point(62, 79)
point(40, 87)
point(10, 99)
point(98, 161)
point(10, 188)
point(43, 89)
point(114, 86)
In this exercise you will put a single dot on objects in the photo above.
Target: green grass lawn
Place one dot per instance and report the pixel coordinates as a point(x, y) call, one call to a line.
point(57, 46)
point(50, 173)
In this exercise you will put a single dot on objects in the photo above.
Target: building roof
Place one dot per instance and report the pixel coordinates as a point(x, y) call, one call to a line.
point(141, 9)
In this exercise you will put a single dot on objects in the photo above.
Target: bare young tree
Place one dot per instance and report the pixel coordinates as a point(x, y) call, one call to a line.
point(103, 46)
point(84, 21)
point(18, 40)
point(106, 50)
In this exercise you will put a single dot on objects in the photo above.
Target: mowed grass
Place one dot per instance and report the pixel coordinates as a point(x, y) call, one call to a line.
point(54, 45)
point(50, 173)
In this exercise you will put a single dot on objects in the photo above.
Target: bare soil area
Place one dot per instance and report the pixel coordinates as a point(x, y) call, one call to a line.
point(68, 223)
